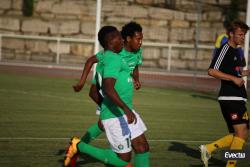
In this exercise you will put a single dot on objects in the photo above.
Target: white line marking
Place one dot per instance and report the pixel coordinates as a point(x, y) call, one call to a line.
point(41, 94)
point(102, 139)
point(87, 100)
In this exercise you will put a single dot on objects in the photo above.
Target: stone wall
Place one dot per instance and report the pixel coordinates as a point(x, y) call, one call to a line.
point(173, 22)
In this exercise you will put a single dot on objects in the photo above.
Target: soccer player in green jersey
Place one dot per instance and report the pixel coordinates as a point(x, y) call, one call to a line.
point(110, 38)
point(118, 101)
point(131, 53)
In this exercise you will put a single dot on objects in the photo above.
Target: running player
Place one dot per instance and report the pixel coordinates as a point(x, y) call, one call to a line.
point(226, 66)
point(110, 38)
point(132, 53)
point(138, 139)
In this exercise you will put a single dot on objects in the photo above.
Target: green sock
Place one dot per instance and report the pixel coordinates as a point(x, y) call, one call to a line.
point(104, 155)
point(142, 160)
point(93, 132)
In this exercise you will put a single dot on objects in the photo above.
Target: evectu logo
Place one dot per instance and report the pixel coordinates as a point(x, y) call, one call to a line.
point(235, 154)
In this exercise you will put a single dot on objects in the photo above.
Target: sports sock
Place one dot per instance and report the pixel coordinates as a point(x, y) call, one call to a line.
point(129, 165)
point(93, 132)
point(220, 143)
point(237, 144)
point(104, 155)
point(142, 160)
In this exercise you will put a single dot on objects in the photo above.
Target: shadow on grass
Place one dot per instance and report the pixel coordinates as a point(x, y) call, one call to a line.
point(83, 159)
point(207, 97)
point(194, 153)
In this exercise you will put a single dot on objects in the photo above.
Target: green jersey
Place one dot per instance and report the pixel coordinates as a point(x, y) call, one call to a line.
point(116, 67)
point(132, 58)
point(99, 55)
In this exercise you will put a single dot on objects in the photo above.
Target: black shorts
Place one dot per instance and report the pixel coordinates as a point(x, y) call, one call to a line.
point(234, 112)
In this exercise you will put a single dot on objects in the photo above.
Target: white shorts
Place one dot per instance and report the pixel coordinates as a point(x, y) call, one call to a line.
point(137, 129)
point(120, 133)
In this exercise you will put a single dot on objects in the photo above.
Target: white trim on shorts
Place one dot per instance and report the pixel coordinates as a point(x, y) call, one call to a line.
point(231, 98)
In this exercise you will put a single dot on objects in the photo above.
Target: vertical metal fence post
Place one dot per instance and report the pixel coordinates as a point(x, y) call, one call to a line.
point(97, 28)
point(169, 57)
point(0, 47)
point(58, 50)
point(98, 23)
point(246, 46)
point(197, 39)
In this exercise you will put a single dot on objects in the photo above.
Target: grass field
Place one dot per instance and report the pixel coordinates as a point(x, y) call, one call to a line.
point(39, 114)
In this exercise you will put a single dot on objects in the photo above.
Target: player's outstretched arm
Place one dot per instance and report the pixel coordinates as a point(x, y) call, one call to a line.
point(110, 92)
point(87, 67)
point(135, 76)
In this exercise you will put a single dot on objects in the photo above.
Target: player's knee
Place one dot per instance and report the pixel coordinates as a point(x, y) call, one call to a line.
point(125, 156)
point(242, 133)
point(245, 134)
point(141, 147)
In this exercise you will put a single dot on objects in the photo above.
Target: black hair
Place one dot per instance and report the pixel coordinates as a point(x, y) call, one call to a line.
point(104, 33)
point(130, 29)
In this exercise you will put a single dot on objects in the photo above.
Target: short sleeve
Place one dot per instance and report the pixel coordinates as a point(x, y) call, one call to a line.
point(139, 57)
point(99, 55)
point(219, 58)
point(112, 65)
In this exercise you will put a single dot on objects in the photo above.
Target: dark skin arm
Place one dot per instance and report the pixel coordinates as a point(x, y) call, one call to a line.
point(110, 92)
point(95, 95)
point(97, 98)
point(78, 87)
point(135, 76)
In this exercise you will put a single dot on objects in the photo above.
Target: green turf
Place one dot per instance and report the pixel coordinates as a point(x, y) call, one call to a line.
point(38, 115)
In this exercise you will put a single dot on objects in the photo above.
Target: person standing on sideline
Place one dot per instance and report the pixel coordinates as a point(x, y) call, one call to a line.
point(226, 66)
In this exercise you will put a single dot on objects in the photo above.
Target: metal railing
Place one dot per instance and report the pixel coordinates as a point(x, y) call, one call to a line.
point(58, 40)
point(172, 45)
point(33, 37)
